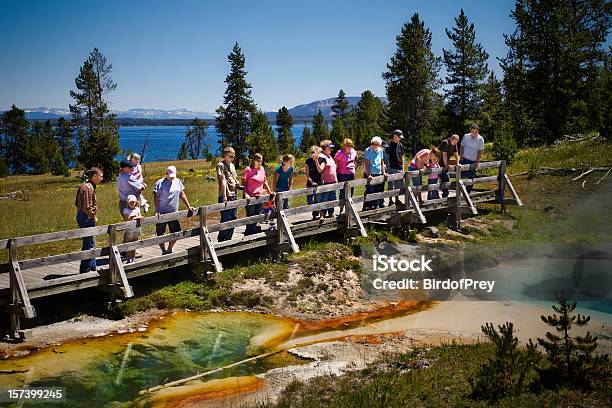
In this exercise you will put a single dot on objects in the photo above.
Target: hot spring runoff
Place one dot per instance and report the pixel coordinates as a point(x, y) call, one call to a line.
point(384, 263)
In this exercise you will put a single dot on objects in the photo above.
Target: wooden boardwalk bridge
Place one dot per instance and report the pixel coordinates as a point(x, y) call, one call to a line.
point(25, 279)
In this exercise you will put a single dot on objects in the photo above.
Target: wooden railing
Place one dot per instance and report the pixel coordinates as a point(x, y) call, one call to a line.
point(117, 281)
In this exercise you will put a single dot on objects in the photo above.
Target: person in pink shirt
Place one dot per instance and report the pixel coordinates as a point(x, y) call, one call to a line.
point(345, 159)
point(420, 162)
point(327, 167)
point(433, 178)
point(255, 184)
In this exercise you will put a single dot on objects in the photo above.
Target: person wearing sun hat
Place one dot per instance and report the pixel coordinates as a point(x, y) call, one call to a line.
point(167, 193)
point(326, 165)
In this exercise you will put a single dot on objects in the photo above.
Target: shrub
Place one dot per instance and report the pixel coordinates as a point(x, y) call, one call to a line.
point(4, 172)
point(58, 167)
point(504, 146)
point(506, 373)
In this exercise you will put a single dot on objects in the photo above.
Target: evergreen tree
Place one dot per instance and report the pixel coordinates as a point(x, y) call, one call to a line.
point(234, 118)
point(411, 81)
point(98, 134)
point(504, 145)
point(58, 166)
point(341, 106)
point(4, 170)
point(338, 132)
point(307, 140)
point(14, 132)
point(506, 372)
point(553, 57)
point(183, 153)
point(369, 113)
point(196, 140)
point(571, 360)
point(492, 112)
point(466, 65)
point(261, 139)
point(319, 128)
point(65, 141)
point(284, 121)
point(40, 148)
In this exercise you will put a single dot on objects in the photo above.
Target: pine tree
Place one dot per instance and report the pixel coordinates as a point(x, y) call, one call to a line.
point(58, 166)
point(307, 140)
point(196, 139)
point(65, 141)
point(284, 121)
point(261, 139)
point(341, 106)
point(98, 134)
point(553, 56)
point(234, 118)
point(467, 69)
point(40, 148)
point(183, 153)
point(4, 170)
point(14, 131)
point(506, 372)
point(319, 128)
point(492, 112)
point(411, 81)
point(571, 360)
point(369, 113)
point(338, 132)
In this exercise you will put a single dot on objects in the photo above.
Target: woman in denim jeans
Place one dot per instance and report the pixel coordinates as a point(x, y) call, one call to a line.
point(420, 162)
point(327, 167)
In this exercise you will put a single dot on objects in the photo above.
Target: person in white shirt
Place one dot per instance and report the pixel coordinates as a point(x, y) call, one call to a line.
point(472, 146)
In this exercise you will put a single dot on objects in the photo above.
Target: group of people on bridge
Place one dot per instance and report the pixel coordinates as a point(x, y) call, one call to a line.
point(379, 159)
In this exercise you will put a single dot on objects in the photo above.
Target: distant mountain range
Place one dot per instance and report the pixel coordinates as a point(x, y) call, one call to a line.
point(305, 111)
point(136, 113)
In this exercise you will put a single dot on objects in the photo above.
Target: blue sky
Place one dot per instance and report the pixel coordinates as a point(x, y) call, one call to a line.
point(173, 54)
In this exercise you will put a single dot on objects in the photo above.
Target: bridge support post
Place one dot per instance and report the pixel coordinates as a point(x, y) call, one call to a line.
point(466, 195)
point(353, 220)
point(501, 176)
point(118, 283)
point(457, 218)
point(20, 301)
point(206, 244)
point(284, 229)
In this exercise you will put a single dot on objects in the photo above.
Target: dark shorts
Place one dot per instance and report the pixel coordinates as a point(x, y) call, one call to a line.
point(174, 226)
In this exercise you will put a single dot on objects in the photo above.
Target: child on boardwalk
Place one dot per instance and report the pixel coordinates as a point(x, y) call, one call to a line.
point(433, 178)
point(137, 174)
point(130, 213)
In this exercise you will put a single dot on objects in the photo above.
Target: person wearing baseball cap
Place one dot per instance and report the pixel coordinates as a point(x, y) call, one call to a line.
point(395, 161)
point(166, 195)
point(128, 184)
point(373, 166)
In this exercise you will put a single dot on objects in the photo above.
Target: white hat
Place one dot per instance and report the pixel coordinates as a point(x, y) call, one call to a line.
point(131, 198)
point(376, 140)
point(171, 171)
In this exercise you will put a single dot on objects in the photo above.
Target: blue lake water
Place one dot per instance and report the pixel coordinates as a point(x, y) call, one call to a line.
point(165, 141)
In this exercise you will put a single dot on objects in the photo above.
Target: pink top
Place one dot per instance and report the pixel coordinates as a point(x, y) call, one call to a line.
point(346, 163)
point(433, 177)
point(255, 180)
point(328, 175)
point(137, 172)
point(420, 160)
